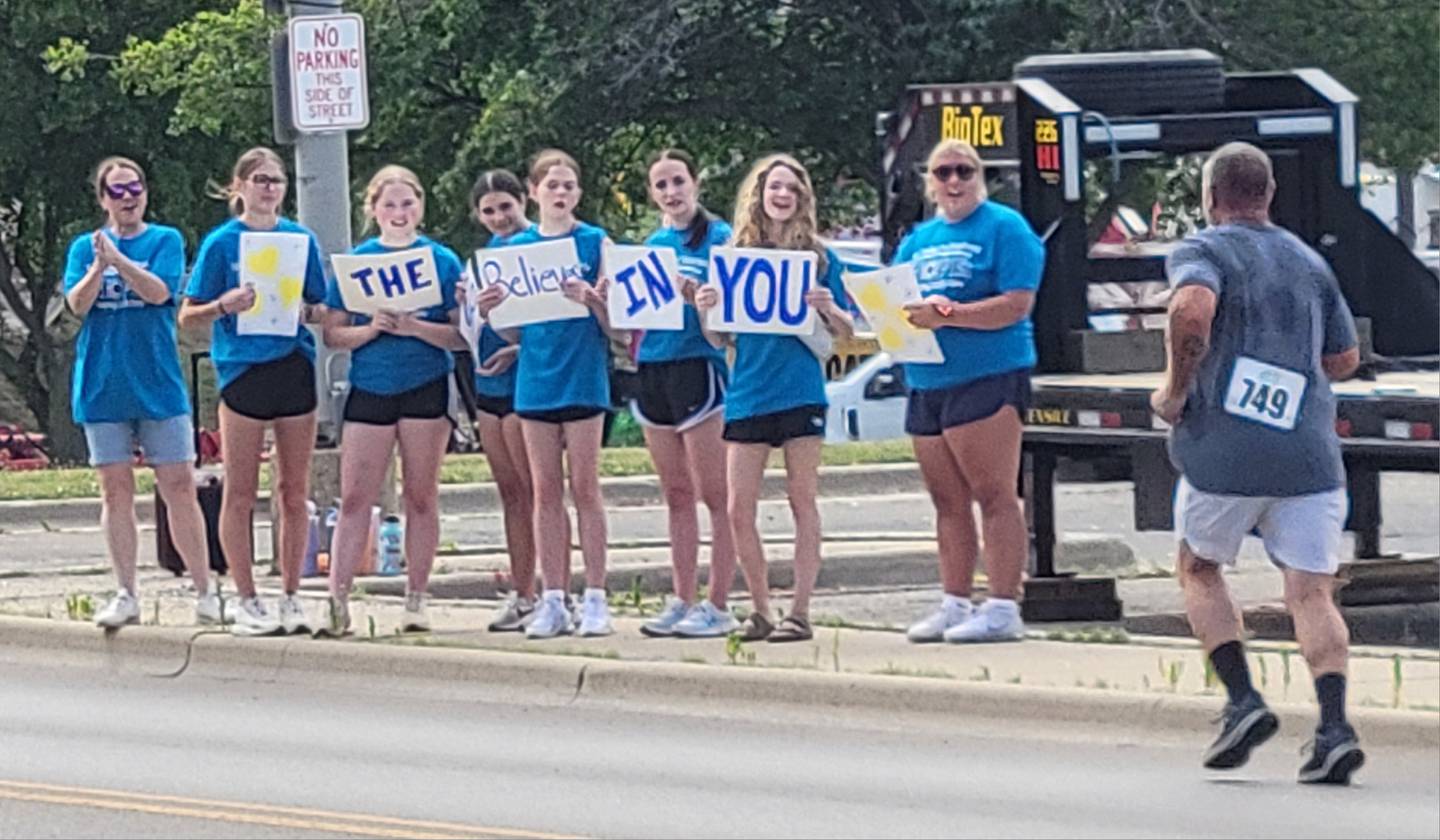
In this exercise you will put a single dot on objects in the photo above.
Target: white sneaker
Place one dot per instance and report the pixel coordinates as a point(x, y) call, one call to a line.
point(551, 619)
point(951, 613)
point(252, 619)
point(704, 621)
point(123, 609)
point(992, 621)
point(595, 615)
point(292, 616)
point(207, 609)
point(513, 615)
point(417, 613)
point(337, 623)
point(664, 623)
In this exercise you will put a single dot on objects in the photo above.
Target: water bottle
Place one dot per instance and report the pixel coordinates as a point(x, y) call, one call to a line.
point(392, 540)
point(311, 568)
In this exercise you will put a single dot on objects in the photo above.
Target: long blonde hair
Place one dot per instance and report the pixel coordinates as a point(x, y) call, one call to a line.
point(391, 174)
point(799, 233)
point(962, 149)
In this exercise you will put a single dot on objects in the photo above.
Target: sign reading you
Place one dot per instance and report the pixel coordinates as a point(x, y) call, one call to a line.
point(762, 290)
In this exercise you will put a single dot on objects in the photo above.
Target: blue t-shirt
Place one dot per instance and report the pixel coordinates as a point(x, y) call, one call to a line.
point(779, 372)
point(126, 364)
point(565, 364)
point(501, 385)
point(988, 253)
point(1279, 311)
point(391, 364)
point(689, 342)
point(217, 271)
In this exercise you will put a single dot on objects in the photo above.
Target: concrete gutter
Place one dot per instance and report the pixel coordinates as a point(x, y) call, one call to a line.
point(627, 491)
point(176, 651)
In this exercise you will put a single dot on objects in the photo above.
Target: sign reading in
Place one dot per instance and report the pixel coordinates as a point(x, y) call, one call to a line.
point(762, 290)
point(403, 281)
point(328, 90)
point(645, 290)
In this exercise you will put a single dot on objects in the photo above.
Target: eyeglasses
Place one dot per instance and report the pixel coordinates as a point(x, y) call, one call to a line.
point(964, 170)
point(268, 181)
point(135, 189)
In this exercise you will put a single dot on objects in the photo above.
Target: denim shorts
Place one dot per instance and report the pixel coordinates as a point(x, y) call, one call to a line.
point(168, 441)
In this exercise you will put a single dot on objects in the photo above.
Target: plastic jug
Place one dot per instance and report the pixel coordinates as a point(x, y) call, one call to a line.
point(392, 542)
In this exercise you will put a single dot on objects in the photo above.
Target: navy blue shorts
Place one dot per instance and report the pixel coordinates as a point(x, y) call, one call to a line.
point(931, 412)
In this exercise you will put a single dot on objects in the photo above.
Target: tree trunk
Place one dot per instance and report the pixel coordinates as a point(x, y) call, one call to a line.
point(67, 441)
point(1405, 206)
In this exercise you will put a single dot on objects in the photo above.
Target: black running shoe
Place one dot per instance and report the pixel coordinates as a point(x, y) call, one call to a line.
point(1334, 755)
point(1244, 726)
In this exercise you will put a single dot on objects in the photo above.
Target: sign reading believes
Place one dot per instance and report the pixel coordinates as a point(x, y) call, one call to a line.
point(762, 290)
point(274, 264)
point(533, 276)
point(403, 281)
point(882, 296)
point(644, 291)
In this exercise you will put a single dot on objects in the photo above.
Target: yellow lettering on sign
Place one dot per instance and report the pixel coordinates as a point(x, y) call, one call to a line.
point(977, 128)
point(1048, 417)
point(1047, 131)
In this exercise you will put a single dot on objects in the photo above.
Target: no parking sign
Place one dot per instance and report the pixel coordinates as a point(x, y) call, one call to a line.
point(327, 73)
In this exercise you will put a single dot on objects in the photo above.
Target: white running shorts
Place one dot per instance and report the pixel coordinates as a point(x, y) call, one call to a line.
point(1303, 533)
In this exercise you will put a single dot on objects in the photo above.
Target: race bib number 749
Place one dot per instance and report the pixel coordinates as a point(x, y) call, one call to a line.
point(1265, 393)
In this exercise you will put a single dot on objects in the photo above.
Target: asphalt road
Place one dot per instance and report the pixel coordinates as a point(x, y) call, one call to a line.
point(86, 752)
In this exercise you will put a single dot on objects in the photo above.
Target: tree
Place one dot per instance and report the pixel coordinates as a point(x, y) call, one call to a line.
point(56, 130)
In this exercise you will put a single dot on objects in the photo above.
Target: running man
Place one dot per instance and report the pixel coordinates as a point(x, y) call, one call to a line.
point(1257, 330)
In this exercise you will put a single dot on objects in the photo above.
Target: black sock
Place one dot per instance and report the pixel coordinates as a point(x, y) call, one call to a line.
point(1330, 691)
point(1230, 666)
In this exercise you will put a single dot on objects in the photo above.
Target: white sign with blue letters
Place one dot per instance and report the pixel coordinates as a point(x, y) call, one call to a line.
point(645, 288)
point(402, 281)
point(762, 290)
point(533, 276)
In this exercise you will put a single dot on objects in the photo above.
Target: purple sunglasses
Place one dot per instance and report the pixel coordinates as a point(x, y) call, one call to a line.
point(118, 191)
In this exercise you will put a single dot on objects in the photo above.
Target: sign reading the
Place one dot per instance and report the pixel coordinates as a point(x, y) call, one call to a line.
point(328, 89)
point(402, 281)
point(645, 288)
point(762, 290)
point(533, 276)
point(274, 264)
point(882, 296)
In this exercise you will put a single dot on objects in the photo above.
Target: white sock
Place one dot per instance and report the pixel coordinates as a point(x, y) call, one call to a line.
point(593, 593)
point(955, 602)
point(1002, 604)
point(554, 595)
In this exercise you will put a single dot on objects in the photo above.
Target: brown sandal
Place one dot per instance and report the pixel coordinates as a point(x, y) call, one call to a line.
point(792, 628)
point(757, 628)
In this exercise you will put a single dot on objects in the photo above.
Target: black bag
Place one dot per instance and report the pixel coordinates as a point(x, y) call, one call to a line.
point(209, 488)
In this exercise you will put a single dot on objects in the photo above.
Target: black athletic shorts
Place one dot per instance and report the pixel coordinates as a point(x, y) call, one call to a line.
point(498, 406)
point(931, 412)
point(775, 429)
point(273, 390)
point(568, 414)
point(425, 402)
point(678, 394)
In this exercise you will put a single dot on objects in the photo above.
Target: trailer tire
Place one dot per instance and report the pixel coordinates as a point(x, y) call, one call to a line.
point(1154, 82)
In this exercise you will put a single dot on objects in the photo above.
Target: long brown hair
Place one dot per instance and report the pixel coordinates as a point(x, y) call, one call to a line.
point(799, 233)
point(245, 166)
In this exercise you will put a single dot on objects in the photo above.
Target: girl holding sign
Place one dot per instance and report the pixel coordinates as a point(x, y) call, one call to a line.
point(777, 393)
point(562, 392)
point(400, 368)
point(122, 280)
point(265, 379)
point(680, 407)
point(498, 201)
point(978, 264)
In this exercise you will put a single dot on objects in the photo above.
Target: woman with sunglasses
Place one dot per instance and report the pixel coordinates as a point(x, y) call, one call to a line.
point(978, 264)
point(122, 281)
point(265, 380)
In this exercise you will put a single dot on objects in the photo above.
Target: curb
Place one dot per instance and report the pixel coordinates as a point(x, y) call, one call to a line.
point(623, 491)
point(622, 681)
point(1413, 625)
